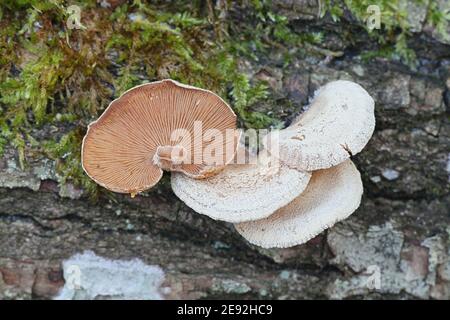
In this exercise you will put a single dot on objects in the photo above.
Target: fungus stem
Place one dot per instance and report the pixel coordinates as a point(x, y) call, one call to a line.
point(169, 157)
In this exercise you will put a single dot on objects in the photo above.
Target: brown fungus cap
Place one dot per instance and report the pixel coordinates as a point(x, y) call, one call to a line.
point(331, 196)
point(156, 126)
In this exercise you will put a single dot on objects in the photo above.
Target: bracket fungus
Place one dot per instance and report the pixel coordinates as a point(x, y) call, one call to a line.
point(299, 185)
point(331, 196)
point(242, 192)
point(154, 127)
point(337, 125)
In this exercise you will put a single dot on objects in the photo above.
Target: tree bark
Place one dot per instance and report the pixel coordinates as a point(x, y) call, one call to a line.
point(400, 233)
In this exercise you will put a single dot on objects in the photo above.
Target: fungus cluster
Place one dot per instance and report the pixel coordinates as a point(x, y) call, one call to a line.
point(301, 183)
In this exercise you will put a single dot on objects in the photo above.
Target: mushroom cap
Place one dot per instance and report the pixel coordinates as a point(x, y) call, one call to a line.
point(338, 124)
point(119, 148)
point(242, 192)
point(332, 195)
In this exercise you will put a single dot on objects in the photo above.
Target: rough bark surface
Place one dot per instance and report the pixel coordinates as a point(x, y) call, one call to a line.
point(400, 232)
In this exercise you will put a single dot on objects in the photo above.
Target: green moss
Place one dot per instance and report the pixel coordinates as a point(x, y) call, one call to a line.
point(265, 30)
point(392, 36)
point(51, 75)
point(439, 19)
point(395, 30)
point(66, 153)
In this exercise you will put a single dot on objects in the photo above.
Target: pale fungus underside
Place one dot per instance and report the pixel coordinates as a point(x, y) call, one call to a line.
point(242, 192)
point(337, 125)
point(331, 196)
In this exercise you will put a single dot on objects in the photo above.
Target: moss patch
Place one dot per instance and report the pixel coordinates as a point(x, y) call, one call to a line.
point(51, 75)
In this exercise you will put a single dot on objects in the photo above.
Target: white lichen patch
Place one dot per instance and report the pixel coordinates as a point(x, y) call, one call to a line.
point(88, 277)
point(14, 177)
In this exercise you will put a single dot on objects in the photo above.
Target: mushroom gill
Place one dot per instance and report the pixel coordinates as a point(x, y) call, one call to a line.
point(158, 126)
